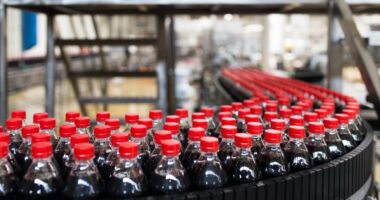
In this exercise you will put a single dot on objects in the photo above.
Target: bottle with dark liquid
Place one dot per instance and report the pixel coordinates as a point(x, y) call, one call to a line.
point(130, 120)
point(156, 155)
point(272, 160)
point(14, 130)
point(322, 113)
point(5, 137)
point(63, 149)
point(149, 133)
point(358, 120)
point(241, 124)
point(329, 109)
point(279, 124)
point(42, 180)
point(47, 125)
point(156, 116)
point(83, 127)
point(244, 168)
point(38, 116)
point(208, 170)
point(101, 117)
point(169, 176)
point(268, 117)
point(255, 129)
point(296, 151)
point(184, 125)
point(227, 145)
point(114, 124)
point(69, 162)
point(24, 152)
point(8, 177)
point(113, 156)
point(297, 110)
point(257, 110)
point(228, 119)
point(285, 115)
point(332, 138)
point(201, 123)
point(138, 134)
point(102, 146)
point(344, 133)
point(193, 150)
point(316, 144)
point(128, 179)
point(284, 103)
point(44, 137)
point(21, 114)
point(211, 126)
point(352, 126)
point(235, 107)
point(84, 180)
point(309, 117)
point(70, 117)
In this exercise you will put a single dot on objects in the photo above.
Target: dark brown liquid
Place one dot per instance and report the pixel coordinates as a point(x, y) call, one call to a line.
point(126, 188)
point(8, 187)
point(169, 184)
point(42, 188)
point(244, 170)
point(209, 174)
point(83, 187)
point(272, 164)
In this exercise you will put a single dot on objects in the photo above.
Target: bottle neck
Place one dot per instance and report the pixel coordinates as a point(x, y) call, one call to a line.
point(128, 162)
point(70, 122)
point(27, 140)
point(84, 162)
point(184, 122)
point(115, 131)
point(315, 135)
point(15, 132)
point(65, 139)
point(101, 140)
point(138, 140)
point(210, 156)
point(100, 123)
point(157, 124)
point(272, 145)
point(244, 151)
point(296, 140)
point(228, 140)
point(83, 130)
point(343, 126)
point(331, 131)
point(256, 136)
point(46, 159)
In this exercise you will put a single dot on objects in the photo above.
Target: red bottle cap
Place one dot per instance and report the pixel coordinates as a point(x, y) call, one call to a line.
point(304, 106)
point(182, 113)
point(256, 110)
point(297, 132)
point(162, 135)
point(1, 129)
point(316, 128)
point(310, 117)
point(251, 118)
point(67, 130)
point(209, 112)
point(243, 140)
point(5, 137)
point(271, 107)
point(237, 105)
point(47, 123)
point(131, 118)
point(38, 116)
point(148, 122)
point(173, 118)
point(272, 136)
point(85, 151)
point(18, 114)
point(242, 113)
point(322, 113)
point(29, 130)
point(3, 149)
point(268, 116)
point(285, 113)
point(102, 131)
point(222, 115)
point(264, 98)
point(284, 101)
point(40, 137)
point(351, 113)
point(78, 139)
point(355, 108)
point(226, 108)
point(170, 147)
point(42, 150)
point(200, 123)
point(342, 118)
point(256, 100)
point(71, 116)
point(197, 115)
point(296, 121)
point(138, 131)
point(195, 134)
point(14, 123)
point(277, 124)
point(172, 127)
point(155, 114)
point(82, 122)
point(296, 110)
point(228, 131)
point(255, 128)
point(248, 103)
point(102, 116)
point(128, 150)
point(114, 124)
point(229, 121)
point(209, 144)
point(331, 123)
point(118, 138)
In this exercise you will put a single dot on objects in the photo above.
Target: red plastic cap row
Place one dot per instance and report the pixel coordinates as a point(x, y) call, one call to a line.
point(278, 124)
point(271, 107)
point(147, 122)
point(42, 150)
point(285, 113)
point(128, 150)
point(71, 116)
point(131, 118)
point(155, 114)
point(228, 121)
point(322, 113)
point(248, 103)
point(195, 134)
point(18, 114)
point(351, 113)
point(162, 135)
point(170, 147)
point(29, 130)
point(118, 138)
point(256, 110)
point(268, 116)
point(242, 113)
point(102, 116)
point(5, 137)
point(296, 110)
point(209, 144)
point(182, 113)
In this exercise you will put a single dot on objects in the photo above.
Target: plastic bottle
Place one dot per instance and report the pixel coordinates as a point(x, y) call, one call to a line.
point(75, 139)
point(322, 113)
point(344, 133)
point(5, 138)
point(244, 168)
point(44, 137)
point(309, 117)
point(169, 176)
point(113, 156)
point(211, 126)
point(235, 107)
point(227, 145)
point(42, 180)
point(84, 180)
point(71, 116)
point(255, 129)
point(335, 144)
point(101, 117)
point(102, 145)
point(19, 114)
point(193, 150)
point(296, 151)
point(285, 115)
point(284, 103)
point(24, 155)
point(8, 178)
point(14, 130)
point(130, 120)
point(156, 116)
point(279, 124)
point(357, 134)
point(297, 110)
point(241, 124)
point(316, 144)
point(184, 125)
point(38, 116)
point(257, 110)
point(156, 154)
point(114, 124)
point(128, 179)
point(268, 116)
point(138, 134)
point(83, 127)
point(173, 127)
point(202, 123)
point(219, 125)
point(329, 109)
point(149, 133)
point(358, 120)
point(47, 125)
point(63, 150)
point(272, 160)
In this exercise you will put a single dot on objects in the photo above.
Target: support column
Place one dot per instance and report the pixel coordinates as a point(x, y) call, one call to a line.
point(3, 66)
point(50, 67)
point(170, 69)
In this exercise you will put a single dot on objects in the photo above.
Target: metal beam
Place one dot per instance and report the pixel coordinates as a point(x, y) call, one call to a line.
point(111, 74)
point(50, 67)
point(3, 66)
point(115, 100)
point(170, 67)
point(106, 42)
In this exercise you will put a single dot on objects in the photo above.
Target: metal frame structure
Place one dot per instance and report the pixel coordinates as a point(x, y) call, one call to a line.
point(165, 10)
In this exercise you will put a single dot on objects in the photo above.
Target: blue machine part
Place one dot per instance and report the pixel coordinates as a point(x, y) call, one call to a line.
point(29, 30)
